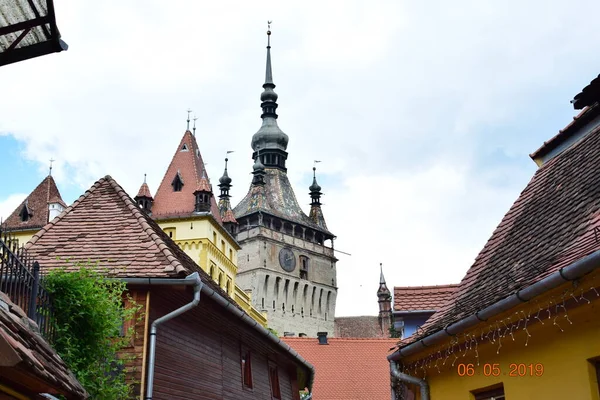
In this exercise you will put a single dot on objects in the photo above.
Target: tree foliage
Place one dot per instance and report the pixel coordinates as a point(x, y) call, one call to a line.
point(89, 316)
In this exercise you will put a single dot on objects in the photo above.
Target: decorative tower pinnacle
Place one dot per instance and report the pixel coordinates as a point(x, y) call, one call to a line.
point(203, 194)
point(258, 171)
point(225, 210)
point(144, 199)
point(385, 304)
point(315, 190)
point(270, 139)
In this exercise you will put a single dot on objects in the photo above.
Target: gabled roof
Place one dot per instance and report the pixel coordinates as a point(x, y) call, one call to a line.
point(554, 222)
point(422, 298)
point(187, 162)
point(347, 368)
point(276, 198)
point(105, 225)
point(37, 203)
point(28, 29)
point(359, 327)
point(25, 351)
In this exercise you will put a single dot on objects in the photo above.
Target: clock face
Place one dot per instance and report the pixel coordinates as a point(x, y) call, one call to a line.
point(287, 260)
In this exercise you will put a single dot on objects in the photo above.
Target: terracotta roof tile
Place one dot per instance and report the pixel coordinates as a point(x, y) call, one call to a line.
point(144, 191)
point(33, 354)
point(359, 327)
point(347, 368)
point(105, 226)
point(37, 203)
point(187, 162)
point(422, 298)
point(552, 224)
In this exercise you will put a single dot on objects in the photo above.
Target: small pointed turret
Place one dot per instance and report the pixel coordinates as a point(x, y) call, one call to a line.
point(384, 297)
point(144, 199)
point(316, 214)
point(258, 171)
point(229, 221)
point(203, 194)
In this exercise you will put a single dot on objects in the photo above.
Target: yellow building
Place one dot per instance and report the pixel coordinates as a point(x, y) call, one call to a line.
point(42, 205)
point(524, 322)
point(185, 208)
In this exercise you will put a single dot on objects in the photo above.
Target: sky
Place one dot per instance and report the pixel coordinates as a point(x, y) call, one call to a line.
point(422, 113)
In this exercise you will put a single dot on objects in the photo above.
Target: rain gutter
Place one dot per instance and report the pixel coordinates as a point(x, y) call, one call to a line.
point(199, 287)
point(396, 374)
point(566, 274)
point(190, 280)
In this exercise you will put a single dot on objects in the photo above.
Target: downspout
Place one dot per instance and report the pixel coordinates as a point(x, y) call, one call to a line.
point(396, 374)
point(190, 280)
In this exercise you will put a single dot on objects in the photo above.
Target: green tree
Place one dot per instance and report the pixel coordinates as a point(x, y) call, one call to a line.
point(89, 316)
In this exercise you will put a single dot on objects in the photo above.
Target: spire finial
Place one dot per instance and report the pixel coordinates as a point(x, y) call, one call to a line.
point(188, 119)
point(144, 178)
point(50, 172)
point(195, 118)
point(381, 278)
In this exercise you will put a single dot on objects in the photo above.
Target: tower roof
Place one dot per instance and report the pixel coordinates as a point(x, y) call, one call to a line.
point(144, 190)
point(187, 164)
point(383, 289)
point(37, 205)
point(269, 136)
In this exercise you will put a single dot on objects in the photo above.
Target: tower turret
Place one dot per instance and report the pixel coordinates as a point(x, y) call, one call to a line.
point(144, 199)
point(229, 221)
point(203, 194)
point(384, 298)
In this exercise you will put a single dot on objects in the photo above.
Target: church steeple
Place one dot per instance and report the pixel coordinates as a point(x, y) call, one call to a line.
point(225, 183)
point(270, 139)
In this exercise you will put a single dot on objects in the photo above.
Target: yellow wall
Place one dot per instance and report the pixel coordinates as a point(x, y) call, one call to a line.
point(567, 372)
point(23, 236)
point(207, 243)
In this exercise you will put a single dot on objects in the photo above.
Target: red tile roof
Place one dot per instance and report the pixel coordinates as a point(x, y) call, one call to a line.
point(553, 223)
point(422, 298)
point(359, 327)
point(347, 368)
point(25, 350)
point(144, 191)
point(37, 203)
point(229, 217)
point(580, 119)
point(187, 161)
point(105, 225)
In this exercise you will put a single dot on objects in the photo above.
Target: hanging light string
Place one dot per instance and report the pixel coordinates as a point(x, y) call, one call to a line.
point(465, 345)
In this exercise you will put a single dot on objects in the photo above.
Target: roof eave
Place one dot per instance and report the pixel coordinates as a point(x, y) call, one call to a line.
point(566, 274)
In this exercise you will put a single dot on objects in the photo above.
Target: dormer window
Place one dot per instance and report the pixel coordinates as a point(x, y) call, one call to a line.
point(25, 214)
point(177, 183)
point(184, 147)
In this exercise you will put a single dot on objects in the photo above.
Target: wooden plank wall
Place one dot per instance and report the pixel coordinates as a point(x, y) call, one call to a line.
point(134, 352)
point(196, 357)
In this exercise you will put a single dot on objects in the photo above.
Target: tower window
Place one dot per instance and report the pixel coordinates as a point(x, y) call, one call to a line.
point(184, 147)
point(177, 183)
point(303, 267)
point(24, 214)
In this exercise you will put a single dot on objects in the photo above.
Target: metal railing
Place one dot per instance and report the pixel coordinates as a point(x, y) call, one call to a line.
point(20, 281)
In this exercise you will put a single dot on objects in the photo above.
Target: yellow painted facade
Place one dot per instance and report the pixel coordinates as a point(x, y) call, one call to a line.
point(209, 245)
point(23, 236)
point(553, 364)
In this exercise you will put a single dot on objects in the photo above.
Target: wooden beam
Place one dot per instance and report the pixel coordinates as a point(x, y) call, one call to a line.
point(19, 26)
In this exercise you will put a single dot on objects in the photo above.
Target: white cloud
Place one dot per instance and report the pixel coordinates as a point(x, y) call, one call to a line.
point(398, 99)
point(8, 205)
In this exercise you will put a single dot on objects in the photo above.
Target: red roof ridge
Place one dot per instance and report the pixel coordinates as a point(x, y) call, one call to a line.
point(175, 265)
point(448, 286)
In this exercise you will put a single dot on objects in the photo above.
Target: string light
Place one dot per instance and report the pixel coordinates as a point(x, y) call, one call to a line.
point(467, 344)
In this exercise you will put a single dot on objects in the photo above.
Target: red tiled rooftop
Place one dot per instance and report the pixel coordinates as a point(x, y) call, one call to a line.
point(553, 223)
point(347, 369)
point(422, 298)
point(187, 162)
point(37, 203)
point(144, 191)
point(359, 327)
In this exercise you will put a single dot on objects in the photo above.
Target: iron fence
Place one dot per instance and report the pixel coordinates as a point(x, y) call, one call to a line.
point(20, 280)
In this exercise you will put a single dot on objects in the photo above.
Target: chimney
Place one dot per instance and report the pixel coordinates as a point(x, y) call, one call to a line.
point(302, 334)
point(322, 337)
point(289, 334)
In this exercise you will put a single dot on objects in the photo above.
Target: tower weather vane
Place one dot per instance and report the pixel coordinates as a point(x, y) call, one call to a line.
point(188, 119)
point(195, 118)
point(51, 161)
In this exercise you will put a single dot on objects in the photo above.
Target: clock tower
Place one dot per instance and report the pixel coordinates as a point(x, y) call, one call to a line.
point(287, 260)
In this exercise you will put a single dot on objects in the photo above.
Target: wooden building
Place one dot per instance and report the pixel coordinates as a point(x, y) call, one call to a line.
point(213, 349)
